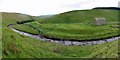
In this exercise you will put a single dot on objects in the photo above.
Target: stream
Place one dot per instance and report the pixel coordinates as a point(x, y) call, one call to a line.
point(65, 42)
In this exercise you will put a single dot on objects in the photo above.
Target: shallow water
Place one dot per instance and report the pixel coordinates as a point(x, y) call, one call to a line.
point(74, 43)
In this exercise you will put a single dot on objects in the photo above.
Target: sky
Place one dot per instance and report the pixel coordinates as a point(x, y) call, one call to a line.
point(49, 7)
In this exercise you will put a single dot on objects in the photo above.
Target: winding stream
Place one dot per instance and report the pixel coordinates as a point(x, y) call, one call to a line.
point(73, 43)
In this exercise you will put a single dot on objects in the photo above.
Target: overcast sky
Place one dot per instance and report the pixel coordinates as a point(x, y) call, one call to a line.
point(45, 7)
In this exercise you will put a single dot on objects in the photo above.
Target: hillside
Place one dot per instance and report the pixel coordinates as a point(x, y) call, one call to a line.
point(72, 25)
point(19, 46)
point(83, 16)
point(44, 16)
point(108, 8)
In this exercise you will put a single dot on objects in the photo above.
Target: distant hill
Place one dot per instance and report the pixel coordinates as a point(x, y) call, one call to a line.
point(44, 16)
point(110, 8)
point(8, 18)
point(77, 16)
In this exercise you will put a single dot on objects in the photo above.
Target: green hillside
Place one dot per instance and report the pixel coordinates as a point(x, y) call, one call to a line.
point(76, 25)
point(83, 16)
point(19, 46)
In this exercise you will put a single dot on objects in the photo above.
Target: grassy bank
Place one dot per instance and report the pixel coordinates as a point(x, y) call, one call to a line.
point(72, 31)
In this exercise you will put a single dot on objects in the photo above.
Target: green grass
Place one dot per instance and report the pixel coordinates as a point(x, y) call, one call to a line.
point(77, 25)
point(26, 28)
point(76, 31)
point(19, 46)
point(82, 16)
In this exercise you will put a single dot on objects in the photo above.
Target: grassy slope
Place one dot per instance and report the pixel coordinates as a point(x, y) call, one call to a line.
point(78, 31)
point(15, 46)
point(85, 16)
point(68, 25)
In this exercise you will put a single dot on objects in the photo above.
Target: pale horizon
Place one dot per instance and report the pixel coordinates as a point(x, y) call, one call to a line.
point(51, 7)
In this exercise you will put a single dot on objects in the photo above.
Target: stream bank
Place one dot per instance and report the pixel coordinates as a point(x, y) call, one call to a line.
point(65, 42)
